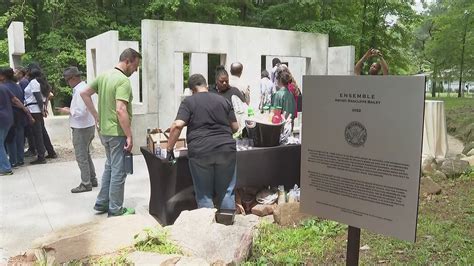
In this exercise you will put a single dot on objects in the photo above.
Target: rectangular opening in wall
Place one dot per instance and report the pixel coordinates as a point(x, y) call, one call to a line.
point(186, 67)
point(214, 60)
point(263, 62)
point(94, 62)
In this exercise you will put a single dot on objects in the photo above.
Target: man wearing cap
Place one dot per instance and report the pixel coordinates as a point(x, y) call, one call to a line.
point(82, 123)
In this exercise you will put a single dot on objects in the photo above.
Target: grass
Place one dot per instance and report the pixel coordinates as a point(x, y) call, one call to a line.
point(277, 245)
point(155, 240)
point(459, 117)
point(445, 235)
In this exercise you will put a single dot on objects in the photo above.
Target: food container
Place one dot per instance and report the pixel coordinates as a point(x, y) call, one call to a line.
point(264, 134)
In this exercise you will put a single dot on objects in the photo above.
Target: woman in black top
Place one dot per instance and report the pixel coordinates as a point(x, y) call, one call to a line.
point(210, 122)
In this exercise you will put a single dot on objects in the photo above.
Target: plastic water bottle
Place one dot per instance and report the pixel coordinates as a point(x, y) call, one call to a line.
point(128, 162)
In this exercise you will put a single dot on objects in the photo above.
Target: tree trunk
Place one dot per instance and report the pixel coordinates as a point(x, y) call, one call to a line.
point(460, 91)
point(375, 22)
point(364, 26)
point(433, 76)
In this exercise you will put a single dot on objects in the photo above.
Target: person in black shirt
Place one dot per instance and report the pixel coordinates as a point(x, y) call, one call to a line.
point(222, 86)
point(211, 121)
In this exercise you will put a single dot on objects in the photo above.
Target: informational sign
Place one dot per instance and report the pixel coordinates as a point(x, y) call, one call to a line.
point(361, 151)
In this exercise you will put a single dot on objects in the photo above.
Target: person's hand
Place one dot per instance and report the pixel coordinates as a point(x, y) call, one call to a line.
point(369, 53)
point(96, 119)
point(63, 110)
point(31, 120)
point(128, 144)
point(45, 113)
point(170, 157)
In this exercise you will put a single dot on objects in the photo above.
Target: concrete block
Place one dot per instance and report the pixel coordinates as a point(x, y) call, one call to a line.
point(341, 60)
point(16, 43)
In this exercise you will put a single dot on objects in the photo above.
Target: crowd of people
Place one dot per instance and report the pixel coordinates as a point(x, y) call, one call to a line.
point(25, 120)
point(208, 115)
point(210, 120)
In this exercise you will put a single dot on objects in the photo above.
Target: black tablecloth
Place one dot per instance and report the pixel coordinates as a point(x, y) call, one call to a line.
point(172, 186)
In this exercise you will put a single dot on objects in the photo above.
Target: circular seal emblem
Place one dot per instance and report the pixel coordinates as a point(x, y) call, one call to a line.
point(355, 134)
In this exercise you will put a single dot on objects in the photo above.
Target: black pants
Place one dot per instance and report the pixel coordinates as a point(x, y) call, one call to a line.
point(38, 134)
point(47, 141)
point(30, 138)
point(42, 141)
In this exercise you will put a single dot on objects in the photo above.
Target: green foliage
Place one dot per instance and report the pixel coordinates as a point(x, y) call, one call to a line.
point(277, 245)
point(56, 31)
point(155, 240)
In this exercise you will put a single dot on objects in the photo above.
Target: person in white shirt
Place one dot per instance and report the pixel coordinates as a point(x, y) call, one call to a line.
point(83, 128)
point(235, 80)
point(266, 90)
point(273, 78)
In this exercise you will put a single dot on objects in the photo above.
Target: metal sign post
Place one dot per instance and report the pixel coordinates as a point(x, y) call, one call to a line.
point(353, 246)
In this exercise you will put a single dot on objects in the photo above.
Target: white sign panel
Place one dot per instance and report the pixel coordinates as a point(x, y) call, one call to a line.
point(361, 151)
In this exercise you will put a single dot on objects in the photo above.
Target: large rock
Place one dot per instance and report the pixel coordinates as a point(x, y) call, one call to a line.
point(198, 235)
point(469, 159)
point(468, 148)
point(428, 165)
point(150, 258)
point(428, 186)
point(454, 168)
point(263, 209)
point(96, 238)
point(438, 175)
point(289, 214)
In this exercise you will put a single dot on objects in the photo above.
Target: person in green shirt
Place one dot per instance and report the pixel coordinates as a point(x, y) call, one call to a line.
point(113, 122)
point(283, 97)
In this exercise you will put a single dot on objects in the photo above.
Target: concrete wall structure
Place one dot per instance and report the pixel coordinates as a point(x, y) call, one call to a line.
point(341, 60)
point(103, 52)
point(16, 43)
point(164, 42)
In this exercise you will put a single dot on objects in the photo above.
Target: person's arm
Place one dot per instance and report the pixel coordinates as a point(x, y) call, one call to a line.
point(360, 63)
point(247, 95)
point(239, 94)
point(175, 131)
point(87, 98)
point(234, 126)
point(39, 100)
point(383, 64)
point(17, 103)
point(124, 121)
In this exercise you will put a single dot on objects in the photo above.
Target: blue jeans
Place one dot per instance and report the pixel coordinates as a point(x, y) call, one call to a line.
point(113, 179)
point(5, 165)
point(214, 176)
point(17, 146)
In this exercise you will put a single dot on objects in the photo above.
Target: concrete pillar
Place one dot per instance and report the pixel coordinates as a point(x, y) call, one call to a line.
point(198, 64)
point(16, 43)
point(341, 60)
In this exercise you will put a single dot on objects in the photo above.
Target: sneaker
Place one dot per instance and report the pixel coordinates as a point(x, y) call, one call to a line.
point(14, 165)
point(82, 188)
point(100, 209)
point(123, 211)
point(6, 173)
point(51, 156)
point(20, 163)
point(94, 182)
point(39, 161)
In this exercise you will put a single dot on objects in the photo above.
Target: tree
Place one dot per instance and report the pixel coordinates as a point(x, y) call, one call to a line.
point(452, 42)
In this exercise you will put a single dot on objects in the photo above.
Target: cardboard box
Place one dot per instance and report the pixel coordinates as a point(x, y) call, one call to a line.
point(158, 139)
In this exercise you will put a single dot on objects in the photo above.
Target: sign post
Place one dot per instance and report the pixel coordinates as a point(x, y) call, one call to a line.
point(361, 153)
point(353, 244)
